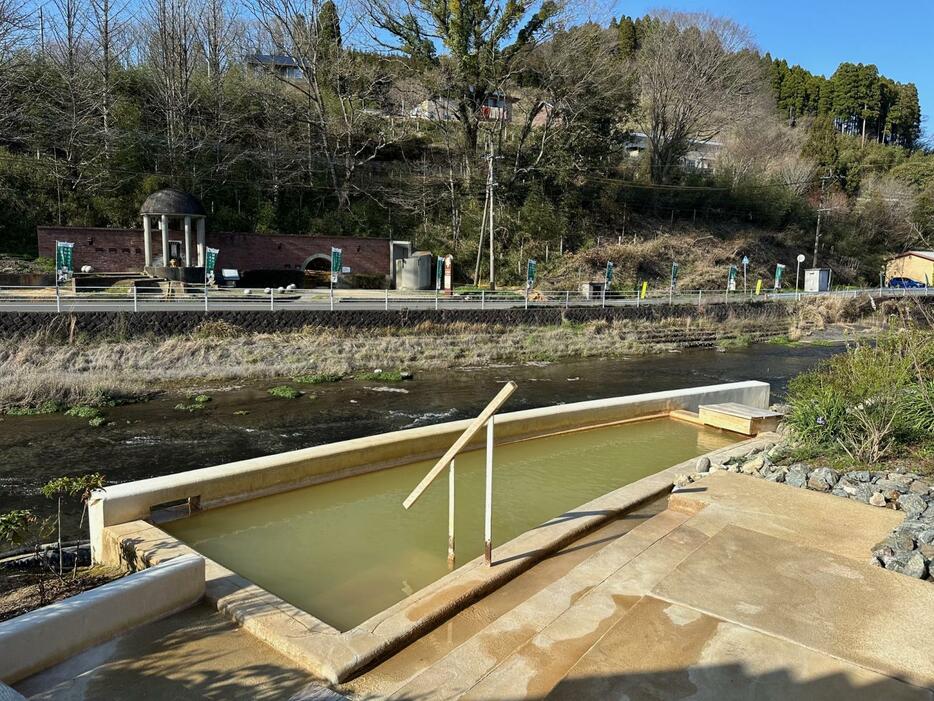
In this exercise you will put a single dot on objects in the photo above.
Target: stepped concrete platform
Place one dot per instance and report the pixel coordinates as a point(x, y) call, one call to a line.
point(741, 588)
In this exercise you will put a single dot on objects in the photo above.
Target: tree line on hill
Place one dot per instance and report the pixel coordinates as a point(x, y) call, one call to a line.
point(391, 118)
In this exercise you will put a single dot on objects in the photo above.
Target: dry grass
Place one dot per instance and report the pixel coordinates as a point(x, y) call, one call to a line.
point(92, 373)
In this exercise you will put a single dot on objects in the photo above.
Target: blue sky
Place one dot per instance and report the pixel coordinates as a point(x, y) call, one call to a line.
point(897, 36)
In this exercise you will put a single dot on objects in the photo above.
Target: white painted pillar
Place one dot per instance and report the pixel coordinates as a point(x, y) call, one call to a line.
point(187, 242)
point(165, 240)
point(451, 555)
point(147, 241)
point(201, 243)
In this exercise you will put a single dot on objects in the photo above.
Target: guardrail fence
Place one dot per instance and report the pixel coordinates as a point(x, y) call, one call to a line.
point(136, 299)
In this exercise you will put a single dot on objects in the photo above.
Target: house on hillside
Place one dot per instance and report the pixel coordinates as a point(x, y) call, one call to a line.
point(701, 157)
point(914, 265)
point(282, 65)
point(497, 107)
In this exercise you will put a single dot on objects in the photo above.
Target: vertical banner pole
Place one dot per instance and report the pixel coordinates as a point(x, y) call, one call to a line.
point(387, 299)
point(272, 299)
point(451, 556)
point(488, 497)
point(482, 299)
point(135, 301)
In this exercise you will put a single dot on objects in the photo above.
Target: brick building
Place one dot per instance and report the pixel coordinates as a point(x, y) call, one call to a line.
point(121, 250)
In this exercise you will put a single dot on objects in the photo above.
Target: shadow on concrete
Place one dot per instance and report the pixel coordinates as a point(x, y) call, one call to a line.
point(728, 683)
point(194, 654)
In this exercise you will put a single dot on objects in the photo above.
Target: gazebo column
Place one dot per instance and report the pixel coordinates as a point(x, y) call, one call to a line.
point(165, 240)
point(147, 241)
point(201, 243)
point(187, 242)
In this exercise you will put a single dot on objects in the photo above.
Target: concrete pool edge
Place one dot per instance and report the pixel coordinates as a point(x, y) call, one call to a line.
point(336, 656)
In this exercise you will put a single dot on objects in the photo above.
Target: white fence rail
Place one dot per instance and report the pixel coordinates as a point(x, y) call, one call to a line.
point(194, 297)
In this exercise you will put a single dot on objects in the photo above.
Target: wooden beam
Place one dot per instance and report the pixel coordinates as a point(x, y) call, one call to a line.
point(474, 427)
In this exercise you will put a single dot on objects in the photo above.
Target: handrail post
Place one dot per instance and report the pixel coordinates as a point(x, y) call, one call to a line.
point(272, 299)
point(387, 299)
point(482, 299)
point(488, 497)
point(58, 297)
point(135, 301)
point(451, 556)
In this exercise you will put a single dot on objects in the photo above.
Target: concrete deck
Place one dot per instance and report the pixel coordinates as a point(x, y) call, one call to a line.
point(743, 588)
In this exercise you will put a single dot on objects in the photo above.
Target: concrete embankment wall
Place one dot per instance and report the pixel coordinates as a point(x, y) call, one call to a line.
point(215, 486)
point(125, 325)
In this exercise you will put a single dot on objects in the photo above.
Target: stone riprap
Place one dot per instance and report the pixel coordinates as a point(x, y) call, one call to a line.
point(909, 549)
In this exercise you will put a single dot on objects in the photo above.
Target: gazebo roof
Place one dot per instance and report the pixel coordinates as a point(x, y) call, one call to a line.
point(173, 202)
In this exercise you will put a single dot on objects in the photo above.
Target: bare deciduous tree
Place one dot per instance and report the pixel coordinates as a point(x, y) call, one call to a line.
point(697, 76)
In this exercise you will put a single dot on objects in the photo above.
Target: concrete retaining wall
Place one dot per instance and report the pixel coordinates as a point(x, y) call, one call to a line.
point(269, 474)
point(40, 639)
point(160, 323)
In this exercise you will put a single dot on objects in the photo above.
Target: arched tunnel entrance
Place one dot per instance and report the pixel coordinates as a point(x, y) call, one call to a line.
point(317, 271)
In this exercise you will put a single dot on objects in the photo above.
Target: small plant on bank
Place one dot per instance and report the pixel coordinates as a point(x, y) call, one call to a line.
point(97, 421)
point(62, 487)
point(319, 378)
point(47, 407)
point(200, 399)
point(284, 392)
point(241, 412)
point(193, 407)
point(21, 528)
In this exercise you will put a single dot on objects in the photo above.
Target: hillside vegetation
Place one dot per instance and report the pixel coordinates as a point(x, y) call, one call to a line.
point(368, 119)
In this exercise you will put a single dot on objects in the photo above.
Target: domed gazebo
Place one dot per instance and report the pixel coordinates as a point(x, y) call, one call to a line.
point(172, 204)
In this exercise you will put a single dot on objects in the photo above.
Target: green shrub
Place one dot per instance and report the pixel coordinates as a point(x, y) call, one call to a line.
point(284, 392)
point(97, 421)
point(318, 378)
point(189, 407)
point(866, 401)
point(82, 411)
point(49, 406)
point(200, 399)
point(380, 376)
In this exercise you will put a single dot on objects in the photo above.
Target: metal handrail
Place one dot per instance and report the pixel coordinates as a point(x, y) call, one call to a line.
point(486, 417)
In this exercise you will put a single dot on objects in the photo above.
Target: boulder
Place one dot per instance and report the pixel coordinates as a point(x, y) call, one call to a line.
point(919, 487)
point(888, 485)
point(752, 467)
point(926, 536)
point(823, 479)
point(702, 464)
point(877, 499)
point(797, 476)
point(912, 504)
point(928, 515)
point(859, 476)
point(863, 492)
point(927, 550)
point(915, 566)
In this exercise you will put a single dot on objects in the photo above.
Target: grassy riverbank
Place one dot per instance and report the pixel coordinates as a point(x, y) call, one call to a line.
point(44, 373)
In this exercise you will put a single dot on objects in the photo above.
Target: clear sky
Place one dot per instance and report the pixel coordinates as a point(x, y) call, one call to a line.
point(897, 36)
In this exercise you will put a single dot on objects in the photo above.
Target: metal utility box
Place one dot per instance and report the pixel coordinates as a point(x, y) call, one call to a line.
point(592, 290)
point(817, 280)
point(414, 273)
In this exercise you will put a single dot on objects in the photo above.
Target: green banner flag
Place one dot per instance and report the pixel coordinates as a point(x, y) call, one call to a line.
point(731, 279)
point(609, 272)
point(64, 260)
point(779, 269)
point(530, 272)
point(210, 260)
point(336, 263)
point(439, 272)
point(674, 274)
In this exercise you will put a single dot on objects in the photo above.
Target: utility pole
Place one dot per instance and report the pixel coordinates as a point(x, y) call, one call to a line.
point(491, 185)
point(41, 32)
point(820, 211)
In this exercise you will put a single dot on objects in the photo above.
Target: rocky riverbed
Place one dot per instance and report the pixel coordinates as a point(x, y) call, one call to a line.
point(909, 549)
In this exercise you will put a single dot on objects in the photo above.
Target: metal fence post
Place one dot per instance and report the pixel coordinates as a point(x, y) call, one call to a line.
point(332, 298)
point(451, 515)
point(272, 299)
point(387, 299)
point(205, 298)
point(135, 302)
point(436, 298)
point(482, 299)
point(567, 298)
point(488, 497)
point(58, 299)
point(700, 294)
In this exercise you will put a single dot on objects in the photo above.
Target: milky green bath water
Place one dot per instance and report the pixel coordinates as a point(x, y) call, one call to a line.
point(345, 550)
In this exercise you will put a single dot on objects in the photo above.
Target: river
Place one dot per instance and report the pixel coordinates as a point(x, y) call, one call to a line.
point(154, 438)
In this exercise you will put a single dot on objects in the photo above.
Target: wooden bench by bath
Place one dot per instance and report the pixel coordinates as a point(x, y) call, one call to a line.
point(740, 418)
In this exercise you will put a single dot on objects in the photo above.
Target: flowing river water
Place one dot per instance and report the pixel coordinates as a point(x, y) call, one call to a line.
point(154, 438)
